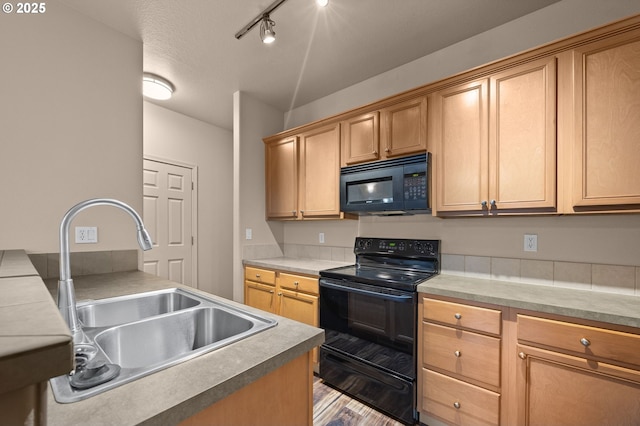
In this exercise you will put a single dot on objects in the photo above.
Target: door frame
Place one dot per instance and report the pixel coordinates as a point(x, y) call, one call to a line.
point(194, 210)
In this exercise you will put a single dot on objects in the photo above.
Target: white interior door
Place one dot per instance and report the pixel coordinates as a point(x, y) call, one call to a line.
point(168, 192)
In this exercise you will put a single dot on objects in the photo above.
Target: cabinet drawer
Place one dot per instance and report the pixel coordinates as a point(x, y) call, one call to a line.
point(590, 341)
point(260, 275)
point(461, 315)
point(298, 283)
point(457, 402)
point(468, 354)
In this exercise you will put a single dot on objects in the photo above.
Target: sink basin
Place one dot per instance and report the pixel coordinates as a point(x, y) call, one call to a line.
point(147, 343)
point(148, 332)
point(125, 309)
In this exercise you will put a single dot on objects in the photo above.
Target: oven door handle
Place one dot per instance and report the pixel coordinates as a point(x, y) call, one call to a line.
point(402, 298)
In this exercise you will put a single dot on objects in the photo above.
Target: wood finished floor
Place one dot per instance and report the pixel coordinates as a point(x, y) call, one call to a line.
point(332, 408)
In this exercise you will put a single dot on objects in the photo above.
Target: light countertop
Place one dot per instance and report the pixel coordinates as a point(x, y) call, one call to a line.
point(301, 266)
point(173, 394)
point(35, 343)
point(590, 305)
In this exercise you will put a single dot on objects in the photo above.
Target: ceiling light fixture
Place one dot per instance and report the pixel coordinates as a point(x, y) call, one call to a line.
point(267, 34)
point(262, 19)
point(156, 87)
point(322, 3)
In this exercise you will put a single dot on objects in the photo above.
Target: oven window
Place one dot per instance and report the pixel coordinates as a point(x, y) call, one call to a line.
point(378, 191)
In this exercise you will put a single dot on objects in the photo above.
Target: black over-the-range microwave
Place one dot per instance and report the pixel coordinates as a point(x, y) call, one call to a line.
point(396, 186)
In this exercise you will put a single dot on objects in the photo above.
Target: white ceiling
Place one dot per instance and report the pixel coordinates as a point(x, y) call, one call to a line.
point(318, 51)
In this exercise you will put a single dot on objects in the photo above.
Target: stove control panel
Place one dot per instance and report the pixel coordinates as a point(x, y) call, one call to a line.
point(401, 247)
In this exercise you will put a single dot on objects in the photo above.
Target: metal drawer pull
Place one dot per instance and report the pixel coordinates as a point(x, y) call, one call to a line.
point(296, 283)
point(457, 315)
point(522, 355)
point(456, 404)
point(457, 354)
point(585, 342)
point(257, 275)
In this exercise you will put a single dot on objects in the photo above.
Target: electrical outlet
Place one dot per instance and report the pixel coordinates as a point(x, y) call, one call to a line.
point(321, 237)
point(248, 234)
point(86, 234)
point(530, 242)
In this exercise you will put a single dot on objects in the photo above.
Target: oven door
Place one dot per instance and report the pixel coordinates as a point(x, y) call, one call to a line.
point(369, 348)
point(371, 323)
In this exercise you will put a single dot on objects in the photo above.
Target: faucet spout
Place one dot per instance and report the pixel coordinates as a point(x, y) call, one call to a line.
point(66, 290)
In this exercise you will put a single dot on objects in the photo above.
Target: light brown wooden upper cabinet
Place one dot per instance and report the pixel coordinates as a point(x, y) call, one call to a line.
point(281, 169)
point(495, 142)
point(303, 175)
point(393, 131)
point(606, 149)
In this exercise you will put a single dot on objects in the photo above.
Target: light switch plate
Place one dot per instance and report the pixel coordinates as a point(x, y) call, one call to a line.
point(321, 237)
point(530, 242)
point(248, 234)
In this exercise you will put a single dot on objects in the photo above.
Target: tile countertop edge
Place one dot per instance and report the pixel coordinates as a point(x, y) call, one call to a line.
point(173, 394)
point(290, 264)
point(590, 305)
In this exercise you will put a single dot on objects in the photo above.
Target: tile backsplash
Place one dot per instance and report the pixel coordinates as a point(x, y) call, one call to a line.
point(583, 276)
point(86, 263)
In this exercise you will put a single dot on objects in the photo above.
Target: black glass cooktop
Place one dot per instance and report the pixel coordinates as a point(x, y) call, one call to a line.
point(380, 276)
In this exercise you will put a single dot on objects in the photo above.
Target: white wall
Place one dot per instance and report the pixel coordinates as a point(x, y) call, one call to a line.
point(554, 22)
point(172, 136)
point(70, 128)
point(252, 121)
point(613, 239)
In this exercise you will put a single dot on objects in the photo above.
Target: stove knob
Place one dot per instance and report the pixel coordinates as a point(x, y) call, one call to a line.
point(418, 247)
point(367, 244)
point(429, 247)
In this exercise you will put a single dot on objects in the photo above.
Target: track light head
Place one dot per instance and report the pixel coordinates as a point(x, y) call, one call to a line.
point(267, 34)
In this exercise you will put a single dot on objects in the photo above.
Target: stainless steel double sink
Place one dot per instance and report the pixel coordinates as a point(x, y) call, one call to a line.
point(147, 332)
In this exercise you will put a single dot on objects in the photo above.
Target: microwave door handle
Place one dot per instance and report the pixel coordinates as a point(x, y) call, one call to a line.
point(407, 298)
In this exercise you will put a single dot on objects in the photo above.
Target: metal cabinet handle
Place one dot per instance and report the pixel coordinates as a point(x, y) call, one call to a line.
point(484, 204)
point(457, 315)
point(456, 405)
point(279, 293)
point(387, 150)
point(257, 275)
point(585, 342)
point(271, 291)
point(522, 355)
point(302, 212)
point(296, 283)
point(375, 152)
point(493, 204)
point(458, 354)
point(293, 212)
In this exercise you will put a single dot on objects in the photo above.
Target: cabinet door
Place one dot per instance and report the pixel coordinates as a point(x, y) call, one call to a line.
point(299, 307)
point(522, 137)
point(281, 169)
point(361, 138)
point(404, 128)
point(559, 389)
point(460, 120)
point(260, 296)
point(607, 114)
point(320, 172)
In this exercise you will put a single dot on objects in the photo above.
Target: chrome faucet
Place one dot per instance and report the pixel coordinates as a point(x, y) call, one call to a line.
point(66, 290)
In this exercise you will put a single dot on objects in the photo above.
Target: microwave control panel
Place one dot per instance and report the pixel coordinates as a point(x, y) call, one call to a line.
point(415, 186)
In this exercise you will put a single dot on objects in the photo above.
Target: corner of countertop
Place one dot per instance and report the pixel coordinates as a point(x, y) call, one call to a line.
point(35, 343)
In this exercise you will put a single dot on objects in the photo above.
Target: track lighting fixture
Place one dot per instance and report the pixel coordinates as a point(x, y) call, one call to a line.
point(267, 34)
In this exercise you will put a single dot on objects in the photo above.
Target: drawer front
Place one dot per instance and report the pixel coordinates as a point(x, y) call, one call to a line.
point(260, 275)
point(460, 315)
point(298, 283)
point(457, 402)
point(469, 354)
point(590, 341)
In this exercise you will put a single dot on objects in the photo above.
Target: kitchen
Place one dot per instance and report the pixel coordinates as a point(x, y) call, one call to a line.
point(100, 128)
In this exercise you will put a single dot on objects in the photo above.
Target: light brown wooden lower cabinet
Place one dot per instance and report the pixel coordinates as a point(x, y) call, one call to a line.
point(559, 389)
point(545, 370)
point(282, 397)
